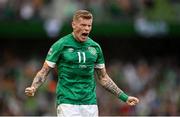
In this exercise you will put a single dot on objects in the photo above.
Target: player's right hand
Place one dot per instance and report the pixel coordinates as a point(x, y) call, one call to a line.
point(30, 91)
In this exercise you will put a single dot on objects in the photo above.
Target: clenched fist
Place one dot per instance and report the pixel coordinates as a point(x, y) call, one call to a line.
point(30, 91)
point(132, 101)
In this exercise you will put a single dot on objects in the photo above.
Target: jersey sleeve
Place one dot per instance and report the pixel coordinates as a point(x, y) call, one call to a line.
point(100, 59)
point(54, 54)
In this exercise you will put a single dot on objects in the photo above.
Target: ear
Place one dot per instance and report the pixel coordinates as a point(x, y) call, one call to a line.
point(73, 24)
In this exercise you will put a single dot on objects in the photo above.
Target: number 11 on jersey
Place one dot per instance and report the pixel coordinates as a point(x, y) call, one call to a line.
point(81, 57)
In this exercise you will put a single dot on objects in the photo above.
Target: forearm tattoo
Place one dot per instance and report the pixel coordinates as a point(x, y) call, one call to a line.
point(107, 83)
point(41, 76)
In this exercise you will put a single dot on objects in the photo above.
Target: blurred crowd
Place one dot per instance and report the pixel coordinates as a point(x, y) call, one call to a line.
point(63, 9)
point(155, 82)
point(149, 16)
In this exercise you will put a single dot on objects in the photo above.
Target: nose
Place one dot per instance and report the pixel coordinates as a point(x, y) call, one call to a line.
point(87, 28)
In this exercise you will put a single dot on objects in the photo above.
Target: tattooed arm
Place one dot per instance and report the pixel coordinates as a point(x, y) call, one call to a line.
point(38, 80)
point(108, 84)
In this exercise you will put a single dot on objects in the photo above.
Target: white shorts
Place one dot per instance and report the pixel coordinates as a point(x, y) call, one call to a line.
point(69, 110)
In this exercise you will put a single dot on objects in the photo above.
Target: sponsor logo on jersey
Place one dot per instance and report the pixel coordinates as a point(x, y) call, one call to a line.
point(83, 66)
point(92, 50)
point(70, 49)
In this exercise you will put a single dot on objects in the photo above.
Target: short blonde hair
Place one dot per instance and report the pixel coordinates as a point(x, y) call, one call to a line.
point(82, 14)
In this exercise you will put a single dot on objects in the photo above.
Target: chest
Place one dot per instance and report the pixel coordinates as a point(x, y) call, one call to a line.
point(83, 55)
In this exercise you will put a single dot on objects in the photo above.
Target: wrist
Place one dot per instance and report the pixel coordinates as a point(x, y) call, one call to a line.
point(34, 88)
point(123, 97)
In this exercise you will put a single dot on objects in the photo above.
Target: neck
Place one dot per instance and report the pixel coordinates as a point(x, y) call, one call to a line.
point(75, 37)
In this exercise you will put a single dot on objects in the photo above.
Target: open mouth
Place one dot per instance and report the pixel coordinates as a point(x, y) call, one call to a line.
point(85, 34)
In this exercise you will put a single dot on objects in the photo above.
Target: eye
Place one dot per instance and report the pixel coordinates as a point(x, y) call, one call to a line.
point(83, 25)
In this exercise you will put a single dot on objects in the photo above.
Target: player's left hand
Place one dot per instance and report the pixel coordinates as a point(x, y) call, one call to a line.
point(132, 101)
point(30, 91)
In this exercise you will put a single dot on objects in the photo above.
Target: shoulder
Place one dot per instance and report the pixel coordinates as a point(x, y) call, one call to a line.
point(93, 43)
point(62, 41)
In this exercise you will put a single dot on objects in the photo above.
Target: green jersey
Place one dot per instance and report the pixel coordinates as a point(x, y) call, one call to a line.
point(75, 62)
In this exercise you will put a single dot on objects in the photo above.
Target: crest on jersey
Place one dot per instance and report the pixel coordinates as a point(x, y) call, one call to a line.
point(70, 49)
point(92, 50)
point(50, 51)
